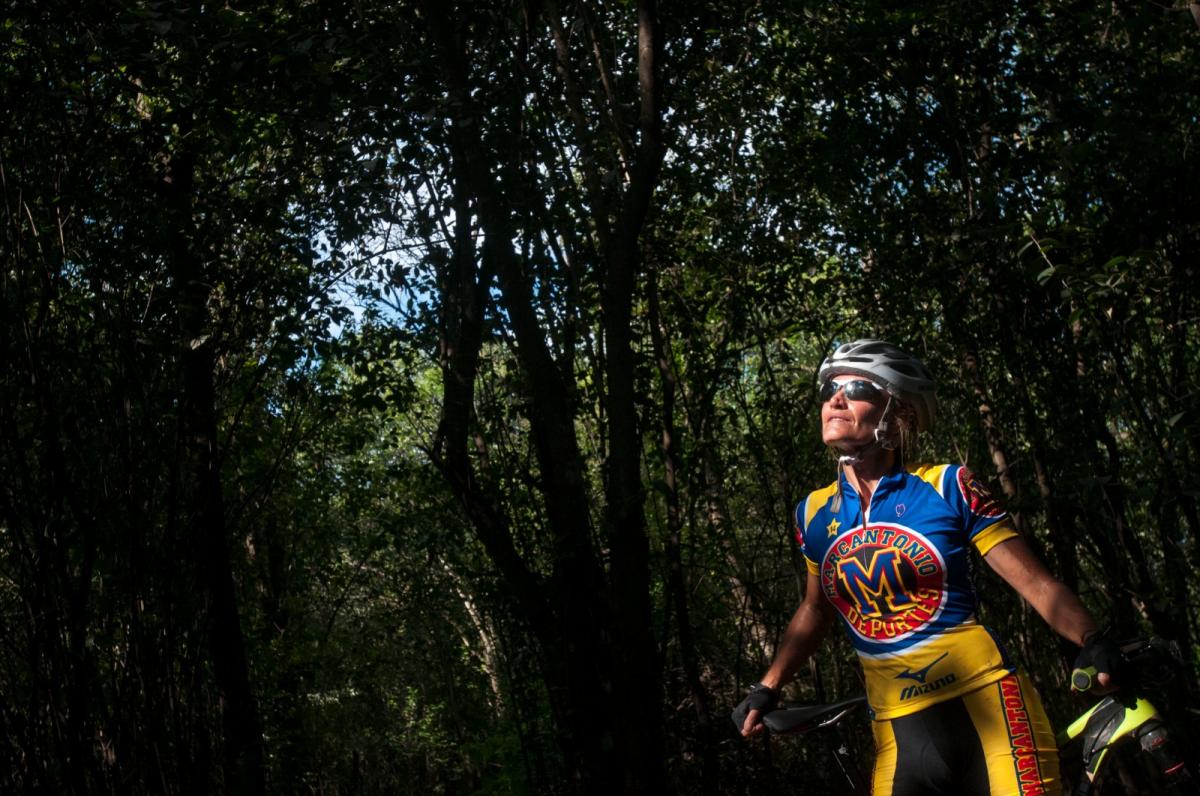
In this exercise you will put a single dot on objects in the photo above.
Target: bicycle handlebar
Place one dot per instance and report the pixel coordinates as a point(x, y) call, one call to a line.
point(1083, 679)
point(1144, 662)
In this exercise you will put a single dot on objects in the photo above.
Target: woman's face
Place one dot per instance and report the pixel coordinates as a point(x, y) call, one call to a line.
point(847, 424)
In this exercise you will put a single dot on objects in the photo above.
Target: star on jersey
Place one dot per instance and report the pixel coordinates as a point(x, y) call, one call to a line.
point(832, 528)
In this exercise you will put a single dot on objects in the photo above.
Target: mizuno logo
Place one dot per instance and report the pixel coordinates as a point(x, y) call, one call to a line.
point(924, 688)
point(920, 674)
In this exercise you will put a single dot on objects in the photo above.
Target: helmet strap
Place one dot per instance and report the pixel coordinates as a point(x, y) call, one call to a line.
point(881, 428)
point(881, 438)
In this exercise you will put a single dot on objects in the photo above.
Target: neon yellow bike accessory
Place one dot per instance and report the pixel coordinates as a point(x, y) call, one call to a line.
point(1109, 722)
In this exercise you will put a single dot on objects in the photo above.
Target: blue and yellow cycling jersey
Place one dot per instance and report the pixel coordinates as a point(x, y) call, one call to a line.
point(900, 574)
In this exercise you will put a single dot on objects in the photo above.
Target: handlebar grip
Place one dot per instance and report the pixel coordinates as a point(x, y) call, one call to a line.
point(1083, 679)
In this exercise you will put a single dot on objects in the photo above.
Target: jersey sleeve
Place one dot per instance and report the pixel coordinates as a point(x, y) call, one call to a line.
point(799, 516)
point(984, 519)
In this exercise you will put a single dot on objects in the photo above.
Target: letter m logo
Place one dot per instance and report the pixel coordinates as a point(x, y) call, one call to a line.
point(877, 588)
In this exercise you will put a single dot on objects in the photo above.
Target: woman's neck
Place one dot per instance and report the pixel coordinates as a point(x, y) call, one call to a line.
point(865, 474)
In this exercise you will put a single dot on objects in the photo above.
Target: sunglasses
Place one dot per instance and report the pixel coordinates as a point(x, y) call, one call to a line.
point(856, 390)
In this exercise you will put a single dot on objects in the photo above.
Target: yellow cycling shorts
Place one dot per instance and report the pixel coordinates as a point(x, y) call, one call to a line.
point(994, 740)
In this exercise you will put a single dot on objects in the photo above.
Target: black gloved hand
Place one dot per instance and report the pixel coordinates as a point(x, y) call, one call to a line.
point(1099, 654)
point(760, 698)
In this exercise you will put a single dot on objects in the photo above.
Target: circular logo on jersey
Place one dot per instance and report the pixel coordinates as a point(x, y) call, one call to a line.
point(888, 581)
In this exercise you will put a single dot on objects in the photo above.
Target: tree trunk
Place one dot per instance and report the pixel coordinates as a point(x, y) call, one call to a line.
point(640, 734)
point(599, 664)
point(202, 492)
point(677, 587)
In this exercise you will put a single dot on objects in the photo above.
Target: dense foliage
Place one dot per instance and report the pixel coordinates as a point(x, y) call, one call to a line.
point(412, 397)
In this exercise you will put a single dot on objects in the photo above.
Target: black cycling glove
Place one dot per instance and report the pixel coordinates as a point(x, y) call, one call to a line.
point(1099, 654)
point(760, 698)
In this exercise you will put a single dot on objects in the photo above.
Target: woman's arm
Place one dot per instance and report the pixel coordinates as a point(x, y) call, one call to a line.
point(801, 639)
point(1015, 562)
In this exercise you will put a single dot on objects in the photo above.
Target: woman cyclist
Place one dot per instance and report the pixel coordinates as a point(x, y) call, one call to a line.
point(888, 547)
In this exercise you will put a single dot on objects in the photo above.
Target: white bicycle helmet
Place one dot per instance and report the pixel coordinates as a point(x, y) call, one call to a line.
point(904, 376)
